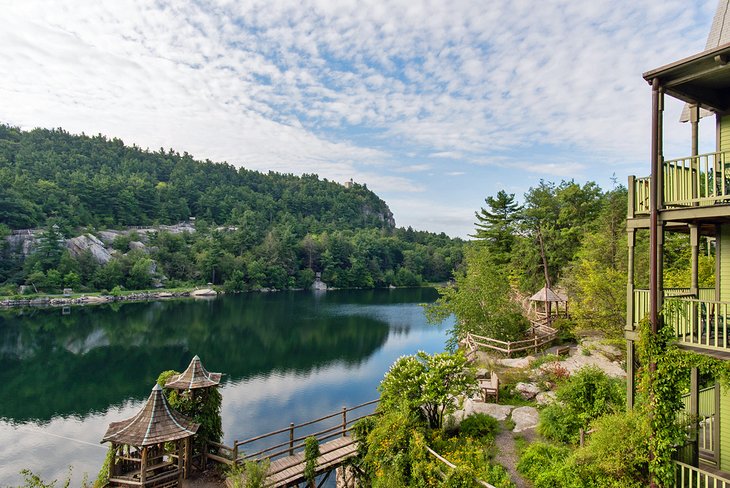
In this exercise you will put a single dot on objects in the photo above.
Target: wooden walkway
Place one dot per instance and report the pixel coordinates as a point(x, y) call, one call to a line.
point(289, 470)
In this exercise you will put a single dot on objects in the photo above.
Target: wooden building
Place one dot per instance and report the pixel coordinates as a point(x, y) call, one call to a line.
point(689, 195)
point(148, 450)
point(549, 303)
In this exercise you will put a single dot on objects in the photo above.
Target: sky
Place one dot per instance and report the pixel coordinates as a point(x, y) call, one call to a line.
point(434, 105)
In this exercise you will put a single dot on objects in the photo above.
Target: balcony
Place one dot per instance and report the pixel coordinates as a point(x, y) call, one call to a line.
point(695, 181)
point(701, 323)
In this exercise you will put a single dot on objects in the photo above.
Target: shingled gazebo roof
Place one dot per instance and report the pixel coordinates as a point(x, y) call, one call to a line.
point(548, 295)
point(156, 422)
point(195, 376)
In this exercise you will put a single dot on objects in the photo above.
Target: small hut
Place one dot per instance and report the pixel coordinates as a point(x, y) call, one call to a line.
point(194, 377)
point(148, 450)
point(547, 297)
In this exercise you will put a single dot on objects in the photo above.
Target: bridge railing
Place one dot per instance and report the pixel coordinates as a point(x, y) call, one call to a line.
point(294, 441)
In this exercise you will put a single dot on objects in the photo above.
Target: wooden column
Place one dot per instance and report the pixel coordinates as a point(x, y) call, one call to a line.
point(694, 410)
point(631, 241)
point(143, 467)
point(656, 197)
point(630, 379)
point(694, 242)
point(694, 118)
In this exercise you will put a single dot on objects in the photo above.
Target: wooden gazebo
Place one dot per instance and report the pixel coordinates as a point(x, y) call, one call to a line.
point(547, 297)
point(194, 377)
point(148, 449)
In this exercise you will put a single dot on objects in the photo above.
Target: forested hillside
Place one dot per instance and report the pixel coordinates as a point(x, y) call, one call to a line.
point(252, 230)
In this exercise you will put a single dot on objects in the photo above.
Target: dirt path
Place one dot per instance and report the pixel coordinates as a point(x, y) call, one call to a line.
point(507, 454)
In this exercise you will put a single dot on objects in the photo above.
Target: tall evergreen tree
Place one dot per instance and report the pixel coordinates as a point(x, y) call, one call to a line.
point(496, 226)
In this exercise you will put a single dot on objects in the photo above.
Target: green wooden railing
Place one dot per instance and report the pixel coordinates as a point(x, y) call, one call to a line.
point(690, 477)
point(692, 181)
point(705, 422)
point(701, 322)
point(641, 299)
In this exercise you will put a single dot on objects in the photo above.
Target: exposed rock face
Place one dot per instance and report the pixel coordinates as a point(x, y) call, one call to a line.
point(23, 242)
point(88, 242)
point(137, 245)
point(204, 292)
point(516, 362)
point(525, 418)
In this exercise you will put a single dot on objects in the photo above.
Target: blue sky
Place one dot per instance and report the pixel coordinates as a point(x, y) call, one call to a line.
point(433, 104)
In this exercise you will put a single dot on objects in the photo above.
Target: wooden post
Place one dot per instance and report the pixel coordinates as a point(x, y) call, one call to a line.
point(694, 118)
point(204, 456)
point(582, 437)
point(694, 410)
point(631, 241)
point(291, 439)
point(535, 342)
point(143, 467)
point(183, 462)
point(632, 197)
point(235, 452)
point(344, 421)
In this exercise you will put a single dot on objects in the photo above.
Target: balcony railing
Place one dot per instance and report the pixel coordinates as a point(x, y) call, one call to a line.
point(700, 180)
point(690, 477)
point(701, 322)
point(706, 421)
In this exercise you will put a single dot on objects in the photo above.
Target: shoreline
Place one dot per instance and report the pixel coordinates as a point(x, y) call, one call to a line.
point(48, 301)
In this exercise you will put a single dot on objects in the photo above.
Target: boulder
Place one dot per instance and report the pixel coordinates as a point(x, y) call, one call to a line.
point(517, 362)
point(528, 391)
point(545, 397)
point(87, 242)
point(499, 412)
point(204, 292)
point(525, 418)
point(137, 245)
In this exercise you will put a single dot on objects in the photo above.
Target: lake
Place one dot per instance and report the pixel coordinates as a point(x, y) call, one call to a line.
point(287, 357)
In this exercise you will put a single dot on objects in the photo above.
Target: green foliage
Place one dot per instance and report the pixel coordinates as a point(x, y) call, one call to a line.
point(660, 386)
point(619, 446)
point(479, 426)
point(480, 299)
point(250, 474)
point(253, 230)
point(202, 405)
point(497, 227)
point(585, 396)
point(32, 480)
point(427, 385)
point(311, 454)
point(103, 477)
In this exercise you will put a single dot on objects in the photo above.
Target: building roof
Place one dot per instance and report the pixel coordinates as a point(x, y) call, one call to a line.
point(547, 295)
point(195, 376)
point(719, 35)
point(156, 422)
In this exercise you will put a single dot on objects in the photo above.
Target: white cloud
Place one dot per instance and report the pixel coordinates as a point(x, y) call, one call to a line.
point(343, 88)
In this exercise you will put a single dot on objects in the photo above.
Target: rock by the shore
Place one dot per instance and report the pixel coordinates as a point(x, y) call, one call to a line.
point(525, 418)
point(204, 292)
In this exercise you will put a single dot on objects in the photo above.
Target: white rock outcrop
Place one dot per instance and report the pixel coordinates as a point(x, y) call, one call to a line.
point(528, 391)
point(87, 242)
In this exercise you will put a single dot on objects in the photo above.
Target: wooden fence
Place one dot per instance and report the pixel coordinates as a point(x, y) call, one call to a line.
point(451, 465)
point(542, 335)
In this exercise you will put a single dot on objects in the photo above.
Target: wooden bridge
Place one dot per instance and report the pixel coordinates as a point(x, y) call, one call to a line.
point(284, 448)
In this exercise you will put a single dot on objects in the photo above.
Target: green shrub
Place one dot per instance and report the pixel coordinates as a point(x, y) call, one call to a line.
point(619, 445)
point(559, 423)
point(311, 454)
point(479, 426)
point(540, 457)
point(590, 393)
point(250, 474)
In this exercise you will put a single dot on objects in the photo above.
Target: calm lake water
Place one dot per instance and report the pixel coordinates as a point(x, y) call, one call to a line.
point(287, 357)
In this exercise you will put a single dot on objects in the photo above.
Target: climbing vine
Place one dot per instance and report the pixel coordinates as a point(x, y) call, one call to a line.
point(204, 407)
point(663, 377)
point(311, 453)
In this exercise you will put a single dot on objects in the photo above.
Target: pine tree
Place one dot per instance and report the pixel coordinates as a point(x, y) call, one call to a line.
point(497, 226)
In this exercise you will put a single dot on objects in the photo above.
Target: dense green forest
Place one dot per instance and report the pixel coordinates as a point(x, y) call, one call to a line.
point(570, 236)
point(252, 230)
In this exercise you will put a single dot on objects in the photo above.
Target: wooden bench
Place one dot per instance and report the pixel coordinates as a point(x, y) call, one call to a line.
point(490, 387)
point(563, 351)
